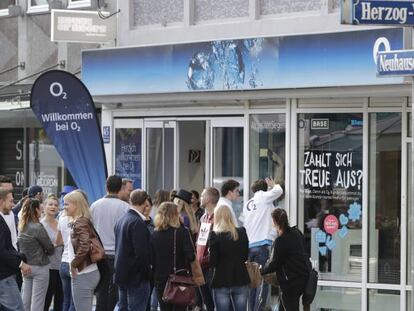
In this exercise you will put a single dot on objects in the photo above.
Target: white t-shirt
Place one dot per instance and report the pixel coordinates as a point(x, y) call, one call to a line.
point(9, 219)
point(257, 219)
point(64, 228)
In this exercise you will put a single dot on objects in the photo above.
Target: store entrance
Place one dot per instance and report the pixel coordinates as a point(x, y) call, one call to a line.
point(181, 153)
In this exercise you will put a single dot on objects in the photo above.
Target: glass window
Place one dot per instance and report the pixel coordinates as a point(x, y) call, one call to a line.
point(38, 2)
point(128, 152)
point(410, 303)
point(410, 124)
point(384, 197)
point(79, 3)
point(383, 300)
point(267, 147)
point(37, 6)
point(337, 299)
point(330, 192)
point(4, 4)
point(160, 159)
point(228, 159)
point(45, 164)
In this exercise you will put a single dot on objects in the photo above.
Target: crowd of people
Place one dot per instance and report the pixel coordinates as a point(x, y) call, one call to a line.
point(48, 260)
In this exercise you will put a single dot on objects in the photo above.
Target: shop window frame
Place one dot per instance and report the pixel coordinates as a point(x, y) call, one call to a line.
point(5, 12)
point(38, 8)
point(73, 4)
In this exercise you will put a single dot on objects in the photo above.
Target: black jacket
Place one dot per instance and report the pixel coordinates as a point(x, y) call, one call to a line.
point(289, 259)
point(10, 259)
point(162, 247)
point(132, 250)
point(228, 258)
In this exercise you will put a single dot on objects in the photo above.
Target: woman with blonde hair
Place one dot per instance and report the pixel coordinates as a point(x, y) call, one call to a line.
point(229, 250)
point(169, 232)
point(85, 274)
point(159, 197)
point(54, 291)
point(36, 245)
point(183, 201)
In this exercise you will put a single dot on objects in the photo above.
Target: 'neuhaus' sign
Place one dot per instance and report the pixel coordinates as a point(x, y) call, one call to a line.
point(82, 26)
point(395, 63)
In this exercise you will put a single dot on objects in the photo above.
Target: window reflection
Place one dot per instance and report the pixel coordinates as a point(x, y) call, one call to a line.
point(384, 197)
point(267, 147)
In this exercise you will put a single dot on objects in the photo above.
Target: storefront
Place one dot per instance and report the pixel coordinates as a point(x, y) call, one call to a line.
point(307, 110)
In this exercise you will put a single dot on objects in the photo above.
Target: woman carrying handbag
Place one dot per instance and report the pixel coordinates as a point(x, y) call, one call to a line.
point(172, 253)
point(83, 268)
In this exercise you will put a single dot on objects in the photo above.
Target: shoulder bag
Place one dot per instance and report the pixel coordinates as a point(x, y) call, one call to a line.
point(97, 251)
point(253, 269)
point(179, 289)
point(312, 281)
point(196, 271)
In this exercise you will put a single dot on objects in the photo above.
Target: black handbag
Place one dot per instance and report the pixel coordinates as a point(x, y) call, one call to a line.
point(179, 289)
point(310, 288)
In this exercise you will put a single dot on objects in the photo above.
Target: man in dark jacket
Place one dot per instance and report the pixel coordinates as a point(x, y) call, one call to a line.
point(10, 259)
point(132, 255)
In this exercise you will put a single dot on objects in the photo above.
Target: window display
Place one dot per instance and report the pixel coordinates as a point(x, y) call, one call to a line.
point(330, 192)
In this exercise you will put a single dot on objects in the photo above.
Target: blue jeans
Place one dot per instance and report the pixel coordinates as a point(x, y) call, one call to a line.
point(205, 289)
point(231, 298)
point(9, 294)
point(258, 296)
point(134, 298)
point(67, 287)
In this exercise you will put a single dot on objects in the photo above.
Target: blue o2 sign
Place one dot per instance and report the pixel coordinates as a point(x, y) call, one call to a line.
point(66, 111)
point(377, 12)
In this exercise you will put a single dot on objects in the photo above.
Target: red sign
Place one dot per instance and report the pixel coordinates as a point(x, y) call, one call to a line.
point(330, 224)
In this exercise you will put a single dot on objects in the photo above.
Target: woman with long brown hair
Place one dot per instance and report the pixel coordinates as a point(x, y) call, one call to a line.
point(169, 232)
point(36, 245)
point(288, 261)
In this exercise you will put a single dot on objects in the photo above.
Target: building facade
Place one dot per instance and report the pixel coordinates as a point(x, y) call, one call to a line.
point(27, 155)
point(197, 92)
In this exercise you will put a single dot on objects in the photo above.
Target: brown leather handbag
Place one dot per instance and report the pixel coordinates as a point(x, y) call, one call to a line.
point(253, 269)
point(196, 271)
point(179, 289)
point(96, 252)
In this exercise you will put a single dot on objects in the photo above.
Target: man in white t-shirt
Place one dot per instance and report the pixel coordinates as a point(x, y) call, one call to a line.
point(257, 220)
point(105, 213)
point(230, 192)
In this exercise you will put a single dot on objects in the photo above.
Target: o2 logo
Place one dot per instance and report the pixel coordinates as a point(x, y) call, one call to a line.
point(56, 90)
point(382, 41)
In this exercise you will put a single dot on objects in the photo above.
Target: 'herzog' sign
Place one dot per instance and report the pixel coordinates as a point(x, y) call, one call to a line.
point(377, 12)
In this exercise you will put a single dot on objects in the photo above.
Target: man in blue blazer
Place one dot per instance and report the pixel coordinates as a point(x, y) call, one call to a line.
point(132, 255)
point(10, 259)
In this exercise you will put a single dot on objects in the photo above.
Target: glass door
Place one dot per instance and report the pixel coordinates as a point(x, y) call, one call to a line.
point(227, 154)
point(160, 138)
point(128, 150)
